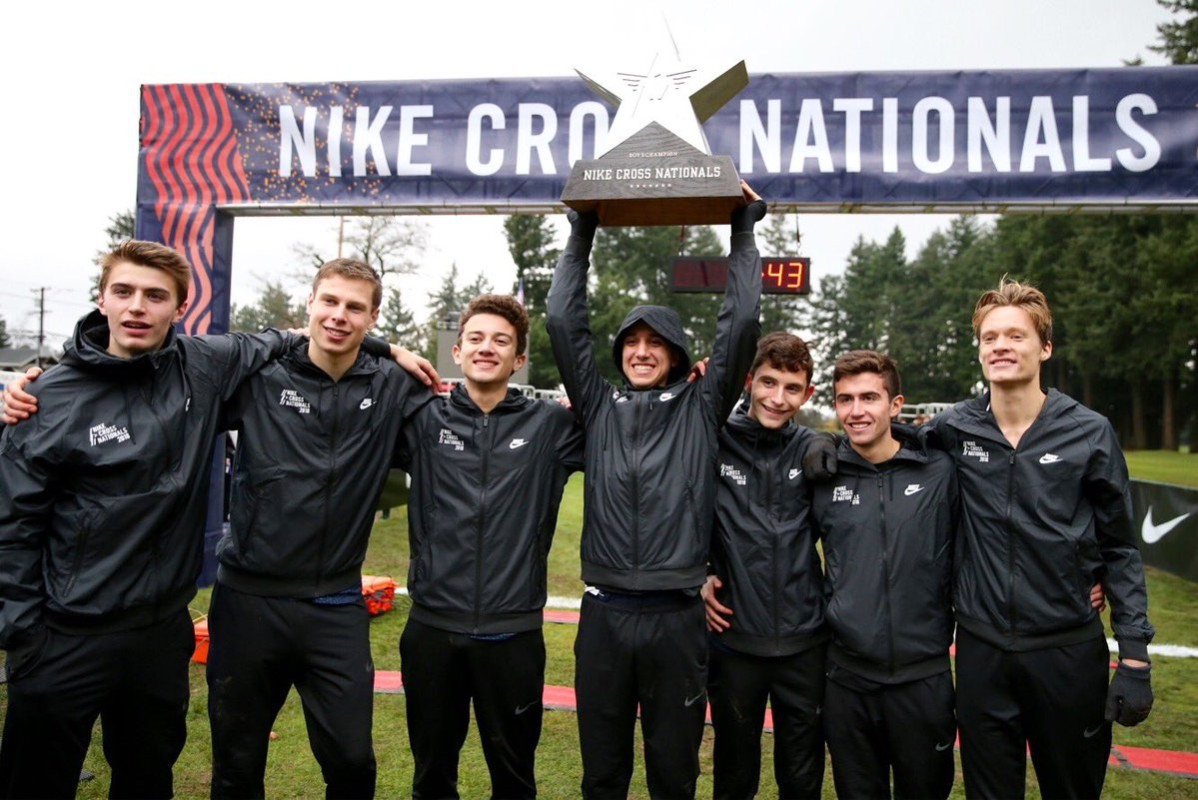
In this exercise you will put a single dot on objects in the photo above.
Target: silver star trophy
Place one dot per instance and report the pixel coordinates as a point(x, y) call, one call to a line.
point(654, 166)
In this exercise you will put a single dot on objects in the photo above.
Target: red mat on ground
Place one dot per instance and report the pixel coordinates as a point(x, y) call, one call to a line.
point(561, 698)
point(563, 617)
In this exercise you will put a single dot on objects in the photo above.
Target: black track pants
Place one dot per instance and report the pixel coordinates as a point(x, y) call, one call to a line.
point(654, 654)
point(740, 685)
point(442, 673)
point(135, 681)
point(875, 728)
point(262, 646)
point(1050, 701)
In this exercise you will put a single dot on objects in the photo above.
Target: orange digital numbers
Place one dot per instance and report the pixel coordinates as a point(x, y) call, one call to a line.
point(795, 268)
point(774, 271)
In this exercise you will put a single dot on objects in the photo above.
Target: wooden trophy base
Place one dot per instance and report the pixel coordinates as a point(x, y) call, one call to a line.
point(655, 178)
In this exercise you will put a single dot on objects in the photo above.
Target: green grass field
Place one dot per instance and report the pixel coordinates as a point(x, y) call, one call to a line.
point(293, 773)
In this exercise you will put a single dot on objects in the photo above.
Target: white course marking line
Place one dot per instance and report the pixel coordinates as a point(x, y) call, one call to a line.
point(1170, 650)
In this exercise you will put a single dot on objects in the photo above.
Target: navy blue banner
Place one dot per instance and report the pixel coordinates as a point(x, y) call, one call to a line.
point(858, 141)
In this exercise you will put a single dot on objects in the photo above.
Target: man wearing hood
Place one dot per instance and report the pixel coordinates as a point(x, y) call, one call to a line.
point(101, 518)
point(650, 462)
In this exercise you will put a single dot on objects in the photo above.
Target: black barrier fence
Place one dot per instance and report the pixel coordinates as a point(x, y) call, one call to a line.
point(1167, 519)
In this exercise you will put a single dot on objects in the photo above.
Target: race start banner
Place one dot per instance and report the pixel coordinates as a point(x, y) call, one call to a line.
point(1090, 139)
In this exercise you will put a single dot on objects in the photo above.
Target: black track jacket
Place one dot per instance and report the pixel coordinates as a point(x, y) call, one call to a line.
point(483, 509)
point(887, 531)
point(1041, 524)
point(312, 457)
point(651, 455)
point(764, 546)
point(105, 489)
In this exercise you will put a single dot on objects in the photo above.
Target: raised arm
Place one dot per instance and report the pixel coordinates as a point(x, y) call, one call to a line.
point(568, 321)
point(739, 324)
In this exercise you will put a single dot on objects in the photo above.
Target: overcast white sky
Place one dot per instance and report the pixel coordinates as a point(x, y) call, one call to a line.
point(68, 140)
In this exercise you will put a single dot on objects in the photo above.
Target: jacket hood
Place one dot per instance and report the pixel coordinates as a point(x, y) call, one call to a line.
point(459, 397)
point(666, 322)
point(364, 364)
point(910, 447)
point(88, 349)
point(1055, 405)
point(741, 423)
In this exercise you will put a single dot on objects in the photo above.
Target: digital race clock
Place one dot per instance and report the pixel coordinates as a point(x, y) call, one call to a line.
point(779, 274)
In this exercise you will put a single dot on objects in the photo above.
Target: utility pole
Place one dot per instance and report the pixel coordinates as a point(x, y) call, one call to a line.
point(41, 322)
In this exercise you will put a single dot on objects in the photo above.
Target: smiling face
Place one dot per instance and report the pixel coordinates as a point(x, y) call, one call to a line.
point(141, 304)
point(486, 350)
point(647, 357)
point(865, 408)
point(1009, 348)
point(776, 395)
point(339, 314)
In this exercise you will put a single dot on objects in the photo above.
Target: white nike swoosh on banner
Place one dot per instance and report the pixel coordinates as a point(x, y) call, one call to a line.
point(1151, 534)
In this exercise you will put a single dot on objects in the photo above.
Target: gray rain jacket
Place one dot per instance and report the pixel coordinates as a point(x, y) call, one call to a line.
point(650, 455)
point(887, 531)
point(1040, 524)
point(106, 487)
point(764, 545)
point(312, 457)
point(483, 509)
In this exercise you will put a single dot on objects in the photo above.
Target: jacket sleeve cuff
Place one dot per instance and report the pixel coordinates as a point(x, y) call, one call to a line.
point(1133, 648)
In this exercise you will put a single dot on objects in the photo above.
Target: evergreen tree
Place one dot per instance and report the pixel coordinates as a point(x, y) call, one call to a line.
point(397, 324)
point(5, 340)
point(119, 229)
point(1179, 37)
point(781, 312)
point(530, 243)
point(273, 309)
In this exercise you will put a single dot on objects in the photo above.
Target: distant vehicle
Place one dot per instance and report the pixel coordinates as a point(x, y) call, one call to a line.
point(919, 413)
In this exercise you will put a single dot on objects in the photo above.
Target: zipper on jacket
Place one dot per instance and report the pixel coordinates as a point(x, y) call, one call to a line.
point(329, 485)
point(641, 398)
point(485, 450)
point(769, 510)
point(1010, 545)
point(886, 567)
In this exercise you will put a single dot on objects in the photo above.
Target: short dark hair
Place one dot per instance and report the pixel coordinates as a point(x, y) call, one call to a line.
point(857, 362)
point(154, 256)
point(354, 269)
point(501, 305)
point(784, 351)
